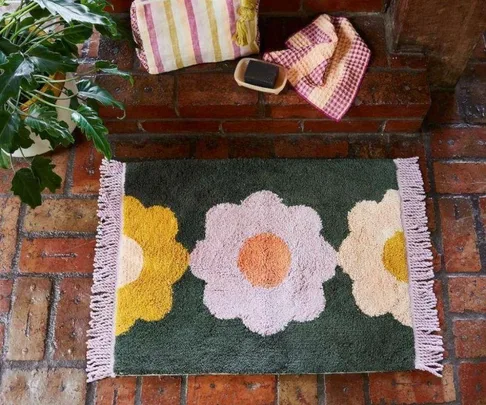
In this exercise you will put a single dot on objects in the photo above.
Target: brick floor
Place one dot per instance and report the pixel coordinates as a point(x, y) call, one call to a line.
point(46, 253)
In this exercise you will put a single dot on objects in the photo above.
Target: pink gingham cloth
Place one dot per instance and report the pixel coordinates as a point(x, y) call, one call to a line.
point(326, 62)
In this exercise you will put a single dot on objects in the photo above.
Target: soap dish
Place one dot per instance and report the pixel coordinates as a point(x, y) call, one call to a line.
point(240, 77)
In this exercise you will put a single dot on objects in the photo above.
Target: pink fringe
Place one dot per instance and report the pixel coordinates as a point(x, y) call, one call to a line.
point(101, 337)
point(428, 345)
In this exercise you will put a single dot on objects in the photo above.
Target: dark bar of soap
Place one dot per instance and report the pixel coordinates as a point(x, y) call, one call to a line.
point(261, 74)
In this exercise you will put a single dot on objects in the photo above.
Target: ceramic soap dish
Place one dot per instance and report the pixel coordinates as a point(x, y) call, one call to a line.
point(240, 77)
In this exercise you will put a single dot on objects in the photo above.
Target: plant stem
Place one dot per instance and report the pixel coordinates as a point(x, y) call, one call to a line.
point(54, 97)
point(19, 13)
point(32, 95)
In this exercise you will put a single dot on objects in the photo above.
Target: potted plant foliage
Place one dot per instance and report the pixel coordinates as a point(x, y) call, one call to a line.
point(42, 96)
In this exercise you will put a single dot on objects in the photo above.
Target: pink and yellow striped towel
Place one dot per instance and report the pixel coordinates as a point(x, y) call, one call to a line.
point(326, 62)
point(172, 34)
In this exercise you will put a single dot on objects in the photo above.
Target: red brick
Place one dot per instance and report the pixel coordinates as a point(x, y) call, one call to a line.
point(57, 255)
point(318, 126)
point(93, 45)
point(151, 96)
point(161, 390)
point(276, 6)
point(438, 291)
point(473, 383)
point(67, 215)
point(118, 52)
point(5, 296)
point(120, 6)
point(444, 108)
point(28, 323)
point(310, 147)
point(467, 294)
point(214, 95)
point(180, 126)
point(459, 142)
point(457, 178)
point(480, 49)
point(264, 126)
point(122, 127)
point(9, 214)
point(344, 389)
point(119, 391)
point(408, 61)
point(416, 387)
point(86, 170)
point(430, 214)
point(471, 93)
point(59, 159)
point(368, 147)
point(324, 6)
point(160, 149)
point(470, 338)
point(228, 389)
point(2, 337)
point(212, 148)
point(298, 390)
point(72, 319)
point(403, 126)
point(372, 29)
point(459, 236)
point(382, 94)
point(59, 386)
point(251, 147)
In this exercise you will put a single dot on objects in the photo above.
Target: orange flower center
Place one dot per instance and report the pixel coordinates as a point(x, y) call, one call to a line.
point(264, 259)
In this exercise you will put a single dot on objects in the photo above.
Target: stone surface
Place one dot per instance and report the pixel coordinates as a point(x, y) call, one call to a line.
point(473, 383)
point(231, 390)
point(298, 390)
point(28, 323)
point(470, 338)
point(67, 215)
point(72, 319)
point(43, 387)
point(416, 387)
point(119, 391)
point(344, 389)
point(160, 390)
point(459, 235)
point(55, 255)
point(467, 294)
point(9, 213)
point(86, 171)
point(5, 295)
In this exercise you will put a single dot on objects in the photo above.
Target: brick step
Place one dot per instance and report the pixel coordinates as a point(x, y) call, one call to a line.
point(393, 97)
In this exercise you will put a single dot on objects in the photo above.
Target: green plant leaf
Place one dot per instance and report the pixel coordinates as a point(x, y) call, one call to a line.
point(51, 62)
point(39, 13)
point(108, 67)
point(27, 186)
point(9, 127)
point(16, 71)
point(4, 160)
point(44, 122)
point(69, 11)
point(22, 140)
point(3, 58)
point(92, 126)
point(64, 47)
point(78, 33)
point(43, 170)
point(8, 47)
point(88, 90)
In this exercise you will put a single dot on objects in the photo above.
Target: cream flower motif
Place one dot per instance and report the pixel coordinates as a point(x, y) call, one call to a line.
point(263, 262)
point(374, 256)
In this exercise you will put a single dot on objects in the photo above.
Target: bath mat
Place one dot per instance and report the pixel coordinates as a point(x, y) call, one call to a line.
point(262, 266)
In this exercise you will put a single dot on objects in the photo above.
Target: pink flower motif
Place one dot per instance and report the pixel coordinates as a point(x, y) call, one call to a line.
point(264, 262)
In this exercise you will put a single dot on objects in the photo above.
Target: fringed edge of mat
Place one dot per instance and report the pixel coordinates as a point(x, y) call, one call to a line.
point(101, 336)
point(428, 344)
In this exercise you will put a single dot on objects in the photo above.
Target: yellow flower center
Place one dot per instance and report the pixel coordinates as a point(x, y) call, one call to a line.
point(395, 257)
point(264, 260)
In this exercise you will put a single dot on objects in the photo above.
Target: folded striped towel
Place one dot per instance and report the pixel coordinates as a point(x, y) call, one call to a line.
point(326, 62)
point(172, 34)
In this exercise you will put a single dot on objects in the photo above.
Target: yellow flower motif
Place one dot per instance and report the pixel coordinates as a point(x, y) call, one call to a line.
point(151, 262)
point(374, 256)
